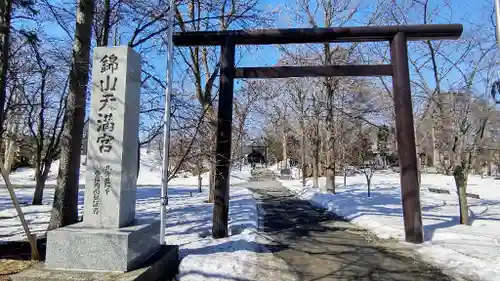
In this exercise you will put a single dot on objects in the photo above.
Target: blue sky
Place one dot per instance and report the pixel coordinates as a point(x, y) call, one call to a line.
point(467, 12)
point(464, 11)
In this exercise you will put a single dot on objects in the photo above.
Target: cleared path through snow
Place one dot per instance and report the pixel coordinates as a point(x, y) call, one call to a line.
point(307, 243)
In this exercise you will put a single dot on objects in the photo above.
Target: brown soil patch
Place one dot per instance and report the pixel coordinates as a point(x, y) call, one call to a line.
point(15, 256)
point(9, 267)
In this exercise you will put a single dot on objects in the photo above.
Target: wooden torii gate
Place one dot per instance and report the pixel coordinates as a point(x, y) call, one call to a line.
point(397, 36)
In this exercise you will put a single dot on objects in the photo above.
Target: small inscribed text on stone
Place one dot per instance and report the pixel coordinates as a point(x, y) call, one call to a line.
point(107, 179)
point(96, 192)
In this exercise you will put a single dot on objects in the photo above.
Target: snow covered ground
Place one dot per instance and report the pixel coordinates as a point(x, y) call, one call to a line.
point(208, 259)
point(189, 220)
point(149, 174)
point(471, 251)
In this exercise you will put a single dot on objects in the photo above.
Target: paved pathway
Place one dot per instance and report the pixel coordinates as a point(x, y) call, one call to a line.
point(307, 243)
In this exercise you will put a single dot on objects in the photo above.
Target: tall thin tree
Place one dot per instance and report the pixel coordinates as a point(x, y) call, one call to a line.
point(5, 20)
point(65, 206)
point(105, 23)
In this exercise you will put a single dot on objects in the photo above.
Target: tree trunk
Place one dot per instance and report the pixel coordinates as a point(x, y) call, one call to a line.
point(330, 159)
point(211, 158)
point(303, 152)
point(435, 152)
point(316, 165)
point(105, 23)
point(330, 123)
point(368, 182)
point(304, 175)
point(460, 175)
point(240, 157)
point(241, 138)
point(10, 153)
point(334, 168)
point(419, 177)
point(116, 39)
point(211, 181)
point(285, 154)
point(10, 132)
point(5, 20)
point(200, 179)
point(330, 173)
point(65, 205)
point(38, 196)
point(316, 156)
point(315, 174)
point(419, 161)
point(342, 140)
point(344, 162)
point(41, 178)
point(267, 157)
point(330, 178)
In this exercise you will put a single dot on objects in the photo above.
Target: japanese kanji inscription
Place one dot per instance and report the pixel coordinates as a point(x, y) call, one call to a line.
point(113, 133)
point(109, 65)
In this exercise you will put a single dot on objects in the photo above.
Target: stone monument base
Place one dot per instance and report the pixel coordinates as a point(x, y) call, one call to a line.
point(161, 266)
point(79, 247)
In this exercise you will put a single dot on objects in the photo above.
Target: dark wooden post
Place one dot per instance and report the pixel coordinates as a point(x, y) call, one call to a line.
point(405, 136)
point(223, 141)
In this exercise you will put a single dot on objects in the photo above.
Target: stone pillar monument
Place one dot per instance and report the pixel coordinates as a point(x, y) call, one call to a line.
point(110, 238)
point(110, 186)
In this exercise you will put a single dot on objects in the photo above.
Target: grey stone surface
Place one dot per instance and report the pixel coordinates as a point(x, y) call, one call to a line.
point(79, 247)
point(109, 239)
point(161, 266)
point(110, 190)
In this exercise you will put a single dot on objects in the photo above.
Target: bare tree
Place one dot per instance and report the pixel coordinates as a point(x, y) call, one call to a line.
point(330, 13)
point(5, 24)
point(299, 97)
point(45, 121)
point(102, 20)
point(10, 11)
point(316, 140)
point(203, 61)
point(5, 33)
point(365, 155)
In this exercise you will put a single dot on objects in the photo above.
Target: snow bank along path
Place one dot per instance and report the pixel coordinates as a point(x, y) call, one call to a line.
point(471, 251)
